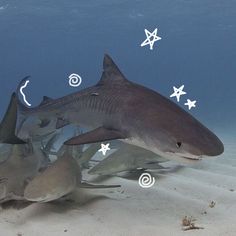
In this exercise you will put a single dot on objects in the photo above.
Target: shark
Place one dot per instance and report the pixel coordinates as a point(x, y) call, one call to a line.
point(19, 160)
point(118, 109)
point(61, 178)
point(22, 164)
point(127, 158)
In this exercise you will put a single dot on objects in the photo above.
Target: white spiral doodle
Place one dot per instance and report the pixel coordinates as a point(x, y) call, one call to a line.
point(146, 180)
point(75, 80)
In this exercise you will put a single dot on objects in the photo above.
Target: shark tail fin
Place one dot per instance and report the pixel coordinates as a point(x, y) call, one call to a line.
point(8, 124)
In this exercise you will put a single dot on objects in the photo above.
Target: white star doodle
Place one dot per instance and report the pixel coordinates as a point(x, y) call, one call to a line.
point(190, 104)
point(151, 38)
point(178, 92)
point(104, 148)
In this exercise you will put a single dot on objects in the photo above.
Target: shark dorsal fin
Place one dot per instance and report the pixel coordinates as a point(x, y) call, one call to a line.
point(111, 72)
point(45, 100)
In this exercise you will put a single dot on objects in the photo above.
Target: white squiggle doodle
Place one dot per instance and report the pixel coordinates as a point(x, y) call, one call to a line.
point(75, 80)
point(146, 180)
point(21, 91)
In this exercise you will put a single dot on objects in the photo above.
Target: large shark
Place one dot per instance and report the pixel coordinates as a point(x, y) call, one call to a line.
point(116, 108)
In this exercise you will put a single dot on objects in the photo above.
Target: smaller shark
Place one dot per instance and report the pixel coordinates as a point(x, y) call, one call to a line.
point(59, 179)
point(22, 163)
point(127, 158)
point(18, 162)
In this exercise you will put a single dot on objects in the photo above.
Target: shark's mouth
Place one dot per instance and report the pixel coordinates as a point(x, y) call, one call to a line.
point(196, 158)
point(183, 157)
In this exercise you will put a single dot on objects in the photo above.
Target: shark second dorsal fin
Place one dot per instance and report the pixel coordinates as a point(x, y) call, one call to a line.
point(45, 100)
point(111, 72)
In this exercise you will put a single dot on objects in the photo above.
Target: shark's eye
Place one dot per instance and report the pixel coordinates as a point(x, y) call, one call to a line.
point(178, 144)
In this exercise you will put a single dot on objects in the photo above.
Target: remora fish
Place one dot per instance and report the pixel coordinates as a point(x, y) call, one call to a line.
point(58, 180)
point(117, 108)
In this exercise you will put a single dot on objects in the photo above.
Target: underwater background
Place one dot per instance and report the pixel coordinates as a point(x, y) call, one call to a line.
point(49, 40)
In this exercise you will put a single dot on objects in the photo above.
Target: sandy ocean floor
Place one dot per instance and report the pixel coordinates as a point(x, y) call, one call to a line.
point(205, 192)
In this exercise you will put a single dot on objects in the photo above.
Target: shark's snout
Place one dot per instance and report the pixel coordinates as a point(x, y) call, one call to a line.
point(214, 147)
point(204, 143)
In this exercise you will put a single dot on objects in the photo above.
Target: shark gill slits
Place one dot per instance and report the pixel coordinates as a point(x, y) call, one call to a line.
point(178, 144)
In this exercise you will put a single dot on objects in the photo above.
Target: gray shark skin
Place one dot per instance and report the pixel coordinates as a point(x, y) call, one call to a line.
point(127, 158)
point(58, 180)
point(8, 124)
point(33, 127)
point(22, 163)
point(117, 108)
point(5, 150)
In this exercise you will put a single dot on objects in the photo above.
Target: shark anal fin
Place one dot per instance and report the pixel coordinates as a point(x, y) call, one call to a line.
point(97, 135)
point(45, 100)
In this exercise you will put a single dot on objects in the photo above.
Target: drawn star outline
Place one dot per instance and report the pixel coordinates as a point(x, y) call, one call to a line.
point(190, 104)
point(178, 92)
point(104, 148)
point(151, 38)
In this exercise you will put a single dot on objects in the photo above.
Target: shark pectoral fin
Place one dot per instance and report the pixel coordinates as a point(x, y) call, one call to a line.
point(61, 123)
point(97, 135)
point(8, 124)
point(86, 185)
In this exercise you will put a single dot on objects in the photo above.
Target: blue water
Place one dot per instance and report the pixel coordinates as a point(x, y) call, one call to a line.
point(49, 40)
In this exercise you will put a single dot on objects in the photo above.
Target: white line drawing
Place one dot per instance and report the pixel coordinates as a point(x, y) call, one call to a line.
point(178, 92)
point(75, 80)
point(151, 38)
point(104, 148)
point(190, 104)
point(146, 180)
point(21, 91)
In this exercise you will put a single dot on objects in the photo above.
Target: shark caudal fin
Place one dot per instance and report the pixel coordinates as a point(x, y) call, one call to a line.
point(8, 124)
